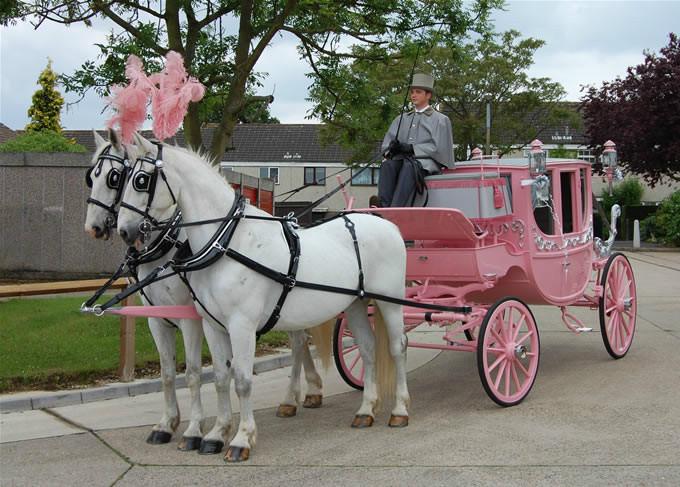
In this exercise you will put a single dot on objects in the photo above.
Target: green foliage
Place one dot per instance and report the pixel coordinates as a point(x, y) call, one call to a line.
point(664, 226)
point(45, 141)
point(627, 193)
point(47, 102)
point(359, 99)
point(222, 41)
point(562, 153)
point(49, 343)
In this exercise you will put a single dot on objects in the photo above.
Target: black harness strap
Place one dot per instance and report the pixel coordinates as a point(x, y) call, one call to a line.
point(349, 224)
point(293, 241)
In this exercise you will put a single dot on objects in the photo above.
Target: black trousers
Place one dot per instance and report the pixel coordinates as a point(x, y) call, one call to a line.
point(397, 184)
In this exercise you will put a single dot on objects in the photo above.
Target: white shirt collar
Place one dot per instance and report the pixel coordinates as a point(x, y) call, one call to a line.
point(424, 108)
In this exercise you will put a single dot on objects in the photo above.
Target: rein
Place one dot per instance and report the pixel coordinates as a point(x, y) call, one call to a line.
point(185, 261)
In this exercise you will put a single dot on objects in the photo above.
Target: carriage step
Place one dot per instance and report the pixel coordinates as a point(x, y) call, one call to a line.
point(583, 329)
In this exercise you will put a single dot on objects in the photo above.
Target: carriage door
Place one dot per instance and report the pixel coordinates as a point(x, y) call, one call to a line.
point(562, 266)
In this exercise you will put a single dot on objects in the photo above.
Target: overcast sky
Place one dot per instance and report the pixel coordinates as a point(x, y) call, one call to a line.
point(587, 42)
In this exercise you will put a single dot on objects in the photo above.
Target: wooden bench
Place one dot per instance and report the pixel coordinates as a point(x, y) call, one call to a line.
point(126, 368)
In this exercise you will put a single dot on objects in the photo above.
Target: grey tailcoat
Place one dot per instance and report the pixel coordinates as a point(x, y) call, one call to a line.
point(429, 132)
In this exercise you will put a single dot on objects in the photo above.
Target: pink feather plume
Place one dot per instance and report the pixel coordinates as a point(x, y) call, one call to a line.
point(129, 101)
point(170, 101)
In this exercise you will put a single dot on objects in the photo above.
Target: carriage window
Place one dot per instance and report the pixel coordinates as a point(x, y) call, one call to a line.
point(543, 215)
point(584, 197)
point(566, 183)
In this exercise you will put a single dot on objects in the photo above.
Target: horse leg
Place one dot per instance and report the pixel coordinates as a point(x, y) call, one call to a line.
point(192, 333)
point(219, 344)
point(357, 321)
point(243, 339)
point(313, 394)
point(164, 337)
point(288, 407)
point(394, 322)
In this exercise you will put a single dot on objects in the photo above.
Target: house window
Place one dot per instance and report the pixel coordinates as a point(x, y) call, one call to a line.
point(315, 176)
point(270, 173)
point(586, 155)
point(369, 177)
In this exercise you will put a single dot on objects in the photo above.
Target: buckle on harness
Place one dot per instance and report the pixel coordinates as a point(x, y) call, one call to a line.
point(217, 246)
point(289, 282)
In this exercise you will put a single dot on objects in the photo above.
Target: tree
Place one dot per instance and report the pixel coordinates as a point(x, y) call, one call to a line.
point(468, 73)
point(222, 40)
point(641, 114)
point(45, 111)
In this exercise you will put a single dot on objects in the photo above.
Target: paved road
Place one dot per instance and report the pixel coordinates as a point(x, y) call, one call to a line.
point(589, 420)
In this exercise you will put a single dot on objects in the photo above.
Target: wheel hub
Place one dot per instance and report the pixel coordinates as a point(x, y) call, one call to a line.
point(521, 352)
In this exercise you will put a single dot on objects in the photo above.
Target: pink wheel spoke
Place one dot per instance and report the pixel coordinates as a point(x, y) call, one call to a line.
point(495, 364)
point(349, 349)
point(619, 334)
point(519, 327)
point(521, 367)
point(507, 378)
point(523, 339)
point(498, 337)
point(531, 354)
point(609, 310)
point(624, 289)
point(497, 382)
point(496, 350)
point(625, 326)
point(611, 325)
point(354, 363)
point(515, 378)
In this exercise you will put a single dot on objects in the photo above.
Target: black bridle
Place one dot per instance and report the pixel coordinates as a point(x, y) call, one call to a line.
point(147, 182)
point(115, 179)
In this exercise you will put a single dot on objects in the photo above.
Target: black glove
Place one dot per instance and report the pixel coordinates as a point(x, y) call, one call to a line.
point(392, 149)
point(406, 149)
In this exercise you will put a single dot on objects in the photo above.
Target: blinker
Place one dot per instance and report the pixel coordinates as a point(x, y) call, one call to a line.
point(142, 181)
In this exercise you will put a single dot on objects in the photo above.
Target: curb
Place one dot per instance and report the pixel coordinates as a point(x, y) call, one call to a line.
point(43, 400)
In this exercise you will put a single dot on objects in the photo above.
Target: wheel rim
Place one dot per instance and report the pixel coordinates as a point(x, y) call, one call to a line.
point(350, 359)
point(510, 352)
point(619, 306)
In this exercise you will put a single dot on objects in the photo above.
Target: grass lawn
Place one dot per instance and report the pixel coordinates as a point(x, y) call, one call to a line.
point(49, 344)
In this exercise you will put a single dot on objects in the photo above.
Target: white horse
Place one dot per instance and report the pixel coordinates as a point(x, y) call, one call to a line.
point(241, 300)
point(107, 167)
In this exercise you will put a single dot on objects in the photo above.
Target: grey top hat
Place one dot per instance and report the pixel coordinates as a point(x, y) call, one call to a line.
point(424, 81)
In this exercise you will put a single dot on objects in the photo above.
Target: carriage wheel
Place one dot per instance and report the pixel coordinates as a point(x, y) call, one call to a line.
point(347, 357)
point(507, 351)
point(618, 305)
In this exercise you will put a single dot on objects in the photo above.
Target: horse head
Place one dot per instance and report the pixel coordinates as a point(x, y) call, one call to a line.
point(148, 197)
point(106, 178)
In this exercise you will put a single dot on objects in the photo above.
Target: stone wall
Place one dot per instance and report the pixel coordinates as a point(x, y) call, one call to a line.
point(42, 213)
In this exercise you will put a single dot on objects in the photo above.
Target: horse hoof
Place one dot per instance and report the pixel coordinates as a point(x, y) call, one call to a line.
point(237, 454)
point(362, 421)
point(398, 421)
point(159, 438)
point(286, 411)
point(190, 443)
point(210, 447)
point(313, 401)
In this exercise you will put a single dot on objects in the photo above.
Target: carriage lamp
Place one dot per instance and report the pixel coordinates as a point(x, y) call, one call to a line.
point(610, 164)
point(536, 159)
point(476, 154)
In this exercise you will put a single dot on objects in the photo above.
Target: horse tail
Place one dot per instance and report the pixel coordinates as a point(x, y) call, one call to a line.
point(385, 371)
point(322, 339)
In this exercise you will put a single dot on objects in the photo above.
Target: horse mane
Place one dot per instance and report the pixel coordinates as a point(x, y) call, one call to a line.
point(200, 156)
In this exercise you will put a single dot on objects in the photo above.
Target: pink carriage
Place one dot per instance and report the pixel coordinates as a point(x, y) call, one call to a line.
point(498, 235)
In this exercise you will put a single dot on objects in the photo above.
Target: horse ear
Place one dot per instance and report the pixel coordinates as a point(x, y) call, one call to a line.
point(98, 139)
point(142, 143)
point(115, 139)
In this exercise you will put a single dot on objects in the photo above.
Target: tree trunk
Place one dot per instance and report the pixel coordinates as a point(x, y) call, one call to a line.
point(192, 128)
